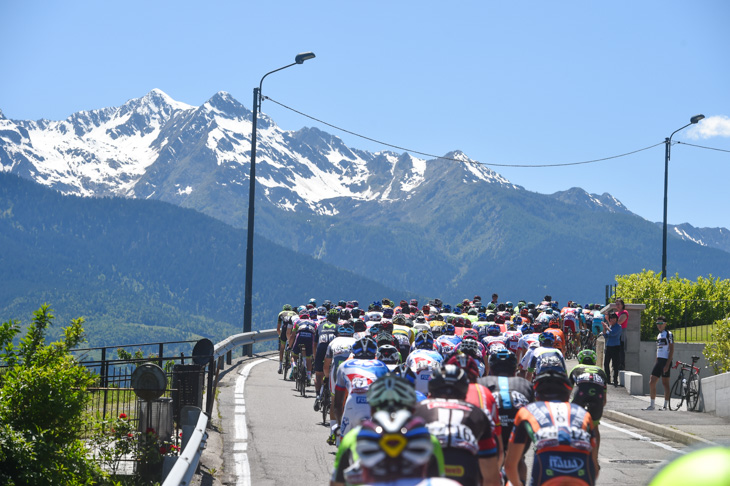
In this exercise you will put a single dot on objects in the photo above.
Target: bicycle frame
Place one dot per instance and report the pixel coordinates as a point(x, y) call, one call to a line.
point(686, 388)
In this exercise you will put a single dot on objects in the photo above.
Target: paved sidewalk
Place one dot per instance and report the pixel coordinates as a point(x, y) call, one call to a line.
point(680, 426)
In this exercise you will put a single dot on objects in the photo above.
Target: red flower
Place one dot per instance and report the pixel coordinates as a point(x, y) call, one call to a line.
point(122, 415)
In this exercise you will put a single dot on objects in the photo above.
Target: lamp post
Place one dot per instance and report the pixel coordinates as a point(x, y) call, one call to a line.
point(667, 150)
point(257, 98)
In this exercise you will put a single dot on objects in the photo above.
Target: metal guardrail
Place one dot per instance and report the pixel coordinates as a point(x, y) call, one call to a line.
point(188, 460)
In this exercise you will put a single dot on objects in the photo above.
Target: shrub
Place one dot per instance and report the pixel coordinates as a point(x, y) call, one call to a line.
point(717, 350)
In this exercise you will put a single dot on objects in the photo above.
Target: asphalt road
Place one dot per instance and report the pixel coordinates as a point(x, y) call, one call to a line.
point(282, 440)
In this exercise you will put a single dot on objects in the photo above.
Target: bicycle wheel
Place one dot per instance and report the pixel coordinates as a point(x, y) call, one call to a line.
point(676, 396)
point(302, 376)
point(325, 405)
point(287, 363)
point(693, 391)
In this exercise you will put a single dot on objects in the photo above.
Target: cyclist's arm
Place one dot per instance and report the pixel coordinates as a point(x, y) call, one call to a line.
point(512, 460)
point(338, 404)
point(327, 366)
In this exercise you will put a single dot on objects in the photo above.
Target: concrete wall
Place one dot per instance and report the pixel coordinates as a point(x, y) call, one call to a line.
point(715, 394)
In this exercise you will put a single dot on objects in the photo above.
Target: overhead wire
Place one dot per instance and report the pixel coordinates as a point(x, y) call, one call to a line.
point(703, 147)
point(450, 158)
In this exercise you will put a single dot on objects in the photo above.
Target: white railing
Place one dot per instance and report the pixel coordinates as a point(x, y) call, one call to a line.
point(187, 462)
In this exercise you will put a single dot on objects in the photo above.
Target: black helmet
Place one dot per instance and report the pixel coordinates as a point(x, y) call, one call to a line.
point(502, 363)
point(365, 348)
point(450, 381)
point(551, 381)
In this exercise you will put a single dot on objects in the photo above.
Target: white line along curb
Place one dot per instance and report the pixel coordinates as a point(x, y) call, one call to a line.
point(243, 470)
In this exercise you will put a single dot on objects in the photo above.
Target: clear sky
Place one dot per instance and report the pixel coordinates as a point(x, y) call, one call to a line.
point(525, 82)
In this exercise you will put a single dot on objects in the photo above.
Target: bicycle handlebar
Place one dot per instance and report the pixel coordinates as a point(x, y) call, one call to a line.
point(686, 365)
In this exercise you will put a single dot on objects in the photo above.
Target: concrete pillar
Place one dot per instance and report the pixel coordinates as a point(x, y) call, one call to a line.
point(633, 334)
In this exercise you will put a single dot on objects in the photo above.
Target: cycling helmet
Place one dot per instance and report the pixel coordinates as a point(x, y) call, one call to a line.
point(333, 315)
point(530, 305)
point(313, 302)
point(547, 339)
point(481, 317)
point(499, 319)
point(313, 313)
point(524, 312)
point(355, 312)
point(426, 309)
point(502, 363)
point(587, 356)
point(414, 302)
point(446, 308)
point(360, 325)
point(388, 354)
point(388, 312)
point(345, 314)
point(491, 306)
point(436, 331)
point(341, 303)
point(374, 329)
point(321, 310)
point(448, 330)
point(387, 302)
point(554, 322)
point(384, 337)
point(399, 320)
point(552, 384)
point(394, 446)
point(355, 303)
point(420, 319)
point(286, 307)
point(345, 329)
point(387, 326)
point(549, 362)
point(527, 329)
point(512, 326)
point(424, 340)
point(466, 363)
point(391, 392)
point(493, 330)
point(304, 316)
point(509, 304)
point(301, 309)
point(450, 381)
point(470, 347)
point(470, 334)
point(365, 348)
point(327, 304)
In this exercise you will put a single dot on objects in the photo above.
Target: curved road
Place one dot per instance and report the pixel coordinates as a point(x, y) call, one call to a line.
point(272, 436)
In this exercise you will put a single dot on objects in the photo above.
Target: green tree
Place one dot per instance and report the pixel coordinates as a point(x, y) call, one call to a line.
point(42, 400)
point(717, 351)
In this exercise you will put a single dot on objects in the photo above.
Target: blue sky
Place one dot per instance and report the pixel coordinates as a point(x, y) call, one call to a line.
point(529, 82)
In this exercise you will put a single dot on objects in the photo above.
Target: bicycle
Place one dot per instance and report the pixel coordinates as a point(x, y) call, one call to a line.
point(570, 346)
point(302, 372)
point(324, 393)
point(686, 388)
point(587, 340)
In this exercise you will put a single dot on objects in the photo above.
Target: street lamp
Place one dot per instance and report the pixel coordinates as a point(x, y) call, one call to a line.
point(257, 98)
point(668, 144)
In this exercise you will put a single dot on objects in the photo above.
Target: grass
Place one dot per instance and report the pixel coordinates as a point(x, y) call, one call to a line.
point(697, 334)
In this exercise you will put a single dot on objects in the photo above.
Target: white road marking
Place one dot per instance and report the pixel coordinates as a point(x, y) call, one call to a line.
point(640, 437)
point(243, 470)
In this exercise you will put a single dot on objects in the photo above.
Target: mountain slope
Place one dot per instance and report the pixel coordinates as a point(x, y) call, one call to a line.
point(130, 266)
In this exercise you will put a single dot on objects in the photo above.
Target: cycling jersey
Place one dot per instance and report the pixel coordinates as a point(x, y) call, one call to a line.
point(464, 432)
point(422, 362)
point(479, 395)
point(663, 340)
point(355, 376)
point(590, 389)
point(303, 335)
point(338, 350)
point(542, 352)
point(511, 394)
point(527, 339)
point(512, 339)
point(559, 338)
point(494, 341)
point(325, 333)
point(597, 325)
point(563, 437)
point(283, 321)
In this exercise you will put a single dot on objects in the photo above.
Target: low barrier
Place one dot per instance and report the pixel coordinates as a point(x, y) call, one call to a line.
point(188, 460)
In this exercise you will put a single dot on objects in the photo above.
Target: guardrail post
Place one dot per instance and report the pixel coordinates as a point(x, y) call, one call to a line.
point(210, 396)
point(228, 357)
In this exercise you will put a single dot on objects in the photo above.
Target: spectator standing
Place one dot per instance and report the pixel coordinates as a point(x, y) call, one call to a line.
point(623, 321)
point(612, 332)
point(664, 354)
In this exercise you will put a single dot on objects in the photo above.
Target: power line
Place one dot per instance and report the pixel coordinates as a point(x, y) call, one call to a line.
point(457, 160)
point(708, 148)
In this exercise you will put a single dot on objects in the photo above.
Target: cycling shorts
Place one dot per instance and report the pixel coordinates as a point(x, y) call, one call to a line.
point(461, 466)
point(306, 341)
point(319, 357)
point(658, 370)
point(592, 403)
point(282, 333)
point(356, 409)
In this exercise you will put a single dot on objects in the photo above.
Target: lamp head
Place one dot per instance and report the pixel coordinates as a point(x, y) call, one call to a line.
point(695, 119)
point(305, 56)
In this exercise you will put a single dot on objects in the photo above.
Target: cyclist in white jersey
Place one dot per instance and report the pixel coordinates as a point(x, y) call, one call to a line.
point(422, 359)
point(354, 377)
point(338, 351)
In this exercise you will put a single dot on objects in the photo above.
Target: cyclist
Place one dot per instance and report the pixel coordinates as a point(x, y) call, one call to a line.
point(283, 323)
point(354, 377)
point(338, 351)
point(554, 328)
point(422, 359)
point(545, 350)
point(326, 332)
point(463, 429)
point(389, 354)
point(302, 335)
point(511, 393)
point(562, 433)
point(389, 393)
point(590, 388)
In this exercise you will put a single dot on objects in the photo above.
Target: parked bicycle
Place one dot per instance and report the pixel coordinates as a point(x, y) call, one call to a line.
point(687, 386)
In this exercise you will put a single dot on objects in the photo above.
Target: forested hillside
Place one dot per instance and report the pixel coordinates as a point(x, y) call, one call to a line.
point(142, 271)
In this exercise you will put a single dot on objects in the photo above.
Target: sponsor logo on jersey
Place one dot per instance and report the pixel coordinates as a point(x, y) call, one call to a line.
point(565, 465)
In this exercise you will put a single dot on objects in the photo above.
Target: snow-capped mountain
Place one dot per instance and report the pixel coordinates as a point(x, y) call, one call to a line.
point(711, 237)
point(594, 202)
point(155, 147)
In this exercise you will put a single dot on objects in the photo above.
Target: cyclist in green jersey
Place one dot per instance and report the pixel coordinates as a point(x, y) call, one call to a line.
point(590, 383)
